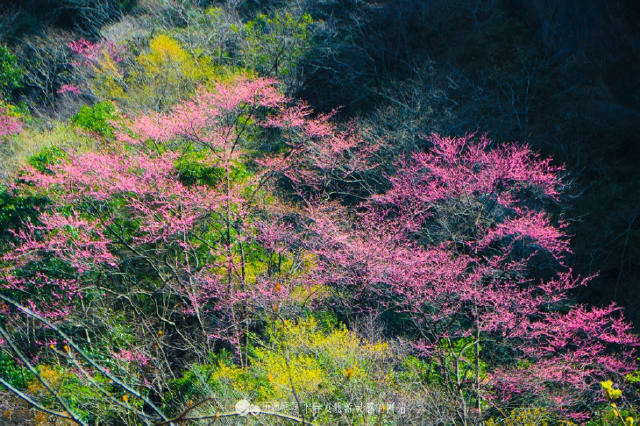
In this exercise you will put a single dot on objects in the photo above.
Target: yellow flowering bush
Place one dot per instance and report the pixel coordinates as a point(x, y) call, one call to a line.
point(525, 416)
point(308, 361)
point(610, 392)
point(304, 358)
point(612, 413)
point(158, 77)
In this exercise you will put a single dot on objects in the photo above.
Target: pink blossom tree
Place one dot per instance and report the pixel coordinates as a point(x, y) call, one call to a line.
point(173, 224)
point(466, 252)
point(90, 53)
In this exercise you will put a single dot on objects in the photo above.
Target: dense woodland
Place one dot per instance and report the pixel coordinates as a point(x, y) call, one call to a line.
point(319, 212)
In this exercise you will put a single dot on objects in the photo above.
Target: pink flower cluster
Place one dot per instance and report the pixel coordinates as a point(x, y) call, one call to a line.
point(128, 356)
point(89, 53)
point(68, 88)
point(9, 125)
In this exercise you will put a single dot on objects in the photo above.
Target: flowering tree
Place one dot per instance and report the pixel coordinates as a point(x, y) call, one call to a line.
point(172, 225)
point(464, 247)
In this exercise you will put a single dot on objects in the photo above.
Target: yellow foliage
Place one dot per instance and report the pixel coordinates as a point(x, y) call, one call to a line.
point(108, 82)
point(349, 373)
point(51, 376)
point(252, 269)
point(309, 261)
point(303, 293)
point(163, 51)
point(610, 392)
point(301, 372)
point(305, 358)
point(237, 378)
point(523, 417)
point(158, 78)
point(41, 418)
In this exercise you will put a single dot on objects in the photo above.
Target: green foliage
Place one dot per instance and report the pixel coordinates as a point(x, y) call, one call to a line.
point(612, 414)
point(10, 71)
point(19, 109)
point(459, 363)
point(85, 400)
point(209, 33)
point(633, 378)
point(14, 374)
point(97, 118)
point(193, 385)
point(127, 5)
point(192, 169)
point(46, 157)
point(18, 149)
point(14, 211)
point(112, 331)
point(276, 44)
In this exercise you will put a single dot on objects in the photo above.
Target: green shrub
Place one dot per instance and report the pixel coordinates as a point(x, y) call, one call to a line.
point(46, 157)
point(192, 169)
point(10, 71)
point(83, 398)
point(97, 118)
point(12, 373)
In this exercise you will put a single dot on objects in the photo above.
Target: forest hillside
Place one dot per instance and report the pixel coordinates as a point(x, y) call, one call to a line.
point(319, 212)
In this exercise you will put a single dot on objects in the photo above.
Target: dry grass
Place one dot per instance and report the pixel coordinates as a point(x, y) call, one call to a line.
point(17, 149)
